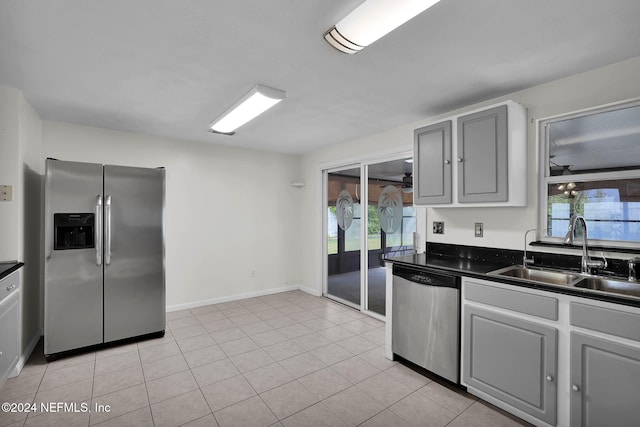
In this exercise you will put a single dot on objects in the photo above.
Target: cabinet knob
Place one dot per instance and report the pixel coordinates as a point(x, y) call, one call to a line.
point(447, 162)
point(575, 387)
point(10, 287)
point(460, 159)
point(549, 378)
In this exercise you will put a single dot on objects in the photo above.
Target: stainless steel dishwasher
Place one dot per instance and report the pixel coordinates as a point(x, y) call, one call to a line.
point(426, 319)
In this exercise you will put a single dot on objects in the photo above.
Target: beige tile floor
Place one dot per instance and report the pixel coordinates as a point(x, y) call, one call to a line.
point(288, 359)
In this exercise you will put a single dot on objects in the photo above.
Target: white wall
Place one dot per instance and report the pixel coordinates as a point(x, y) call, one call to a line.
point(30, 219)
point(503, 227)
point(21, 166)
point(234, 226)
point(231, 216)
point(9, 172)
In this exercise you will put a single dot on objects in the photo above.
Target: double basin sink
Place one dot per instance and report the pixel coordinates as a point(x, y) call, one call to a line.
point(564, 278)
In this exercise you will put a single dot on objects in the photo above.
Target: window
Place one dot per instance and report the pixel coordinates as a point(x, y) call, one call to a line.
point(591, 164)
point(402, 239)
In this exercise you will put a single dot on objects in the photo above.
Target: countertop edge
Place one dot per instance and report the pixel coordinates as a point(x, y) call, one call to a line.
point(566, 290)
point(16, 266)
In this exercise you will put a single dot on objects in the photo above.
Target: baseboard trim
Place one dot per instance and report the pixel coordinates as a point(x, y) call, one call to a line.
point(26, 354)
point(235, 297)
point(310, 291)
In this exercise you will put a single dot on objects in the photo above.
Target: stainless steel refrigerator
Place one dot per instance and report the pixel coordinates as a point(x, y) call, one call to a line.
point(104, 255)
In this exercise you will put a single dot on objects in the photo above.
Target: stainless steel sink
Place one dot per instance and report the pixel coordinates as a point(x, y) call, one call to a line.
point(609, 285)
point(538, 275)
point(564, 278)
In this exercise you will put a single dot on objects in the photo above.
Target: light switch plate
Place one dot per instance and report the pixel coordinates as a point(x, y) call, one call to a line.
point(6, 193)
point(479, 229)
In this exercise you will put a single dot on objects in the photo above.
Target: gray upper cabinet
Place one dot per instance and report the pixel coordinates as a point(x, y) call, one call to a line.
point(513, 360)
point(604, 382)
point(432, 151)
point(483, 156)
point(474, 159)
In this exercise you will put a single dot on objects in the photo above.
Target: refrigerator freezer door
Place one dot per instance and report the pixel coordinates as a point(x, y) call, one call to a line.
point(73, 278)
point(134, 286)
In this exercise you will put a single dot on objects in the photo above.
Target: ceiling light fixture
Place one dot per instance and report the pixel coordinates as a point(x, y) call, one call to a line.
point(255, 102)
point(372, 20)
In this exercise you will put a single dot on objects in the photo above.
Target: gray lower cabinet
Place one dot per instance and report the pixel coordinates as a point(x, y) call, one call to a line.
point(432, 152)
point(9, 324)
point(605, 382)
point(513, 360)
point(482, 156)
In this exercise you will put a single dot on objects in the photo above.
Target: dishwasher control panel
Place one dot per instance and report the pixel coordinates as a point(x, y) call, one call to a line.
point(420, 278)
point(426, 276)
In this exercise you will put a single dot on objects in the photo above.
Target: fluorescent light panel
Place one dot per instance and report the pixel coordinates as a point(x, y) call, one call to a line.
point(255, 102)
point(372, 20)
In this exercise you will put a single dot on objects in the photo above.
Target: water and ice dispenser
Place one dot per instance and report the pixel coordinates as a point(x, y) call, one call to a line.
point(73, 231)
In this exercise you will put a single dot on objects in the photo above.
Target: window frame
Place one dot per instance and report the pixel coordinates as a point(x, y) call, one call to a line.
point(544, 178)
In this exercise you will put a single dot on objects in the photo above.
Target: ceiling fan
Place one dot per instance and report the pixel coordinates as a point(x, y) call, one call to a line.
point(407, 180)
point(406, 184)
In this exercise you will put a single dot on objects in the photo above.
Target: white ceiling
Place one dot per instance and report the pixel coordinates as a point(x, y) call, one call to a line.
point(168, 67)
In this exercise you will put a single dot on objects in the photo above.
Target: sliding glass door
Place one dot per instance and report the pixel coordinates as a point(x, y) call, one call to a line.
point(361, 234)
point(344, 221)
point(391, 222)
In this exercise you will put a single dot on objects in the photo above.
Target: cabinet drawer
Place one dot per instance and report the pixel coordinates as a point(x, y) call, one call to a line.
point(521, 302)
point(615, 322)
point(9, 285)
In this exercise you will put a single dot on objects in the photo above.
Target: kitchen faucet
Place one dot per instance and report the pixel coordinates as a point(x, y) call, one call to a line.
point(634, 264)
point(587, 263)
point(526, 260)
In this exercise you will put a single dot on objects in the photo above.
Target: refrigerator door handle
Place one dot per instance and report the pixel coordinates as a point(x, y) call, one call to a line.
point(98, 230)
point(107, 230)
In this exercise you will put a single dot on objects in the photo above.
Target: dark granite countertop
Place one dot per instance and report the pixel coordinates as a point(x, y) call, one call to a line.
point(464, 266)
point(8, 267)
point(477, 262)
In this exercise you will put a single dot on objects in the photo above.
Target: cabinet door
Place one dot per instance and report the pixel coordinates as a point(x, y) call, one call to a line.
point(432, 164)
point(605, 382)
point(513, 360)
point(9, 328)
point(482, 156)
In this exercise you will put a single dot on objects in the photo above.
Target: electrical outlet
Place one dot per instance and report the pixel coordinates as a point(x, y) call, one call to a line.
point(438, 227)
point(6, 193)
point(479, 229)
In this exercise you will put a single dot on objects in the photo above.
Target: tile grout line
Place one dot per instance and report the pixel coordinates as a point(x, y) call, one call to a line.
point(298, 320)
point(190, 369)
point(144, 379)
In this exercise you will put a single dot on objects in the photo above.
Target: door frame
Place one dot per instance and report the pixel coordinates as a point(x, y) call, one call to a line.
point(363, 162)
